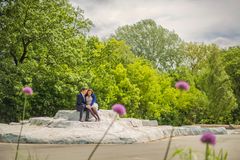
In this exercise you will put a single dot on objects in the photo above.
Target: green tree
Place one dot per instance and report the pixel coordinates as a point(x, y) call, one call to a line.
point(204, 69)
point(153, 88)
point(190, 107)
point(155, 43)
point(42, 43)
point(231, 58)
point(195, 56)
point(215, 83)
point(10, 87)
point(100, 64)
point(27, 25)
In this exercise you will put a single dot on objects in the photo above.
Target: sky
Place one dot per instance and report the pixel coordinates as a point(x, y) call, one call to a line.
point(208, 21)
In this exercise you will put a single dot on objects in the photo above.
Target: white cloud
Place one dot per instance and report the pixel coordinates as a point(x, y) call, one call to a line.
point(224, 42)
point(192, 20)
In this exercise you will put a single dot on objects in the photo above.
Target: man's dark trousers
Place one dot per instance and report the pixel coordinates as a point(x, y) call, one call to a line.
point(81, 106)
point(81, 109)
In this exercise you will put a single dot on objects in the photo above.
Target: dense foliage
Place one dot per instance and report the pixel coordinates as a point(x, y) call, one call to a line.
point(45, 44)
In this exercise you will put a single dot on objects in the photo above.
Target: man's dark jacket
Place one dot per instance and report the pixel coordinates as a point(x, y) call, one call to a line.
point(81, 103)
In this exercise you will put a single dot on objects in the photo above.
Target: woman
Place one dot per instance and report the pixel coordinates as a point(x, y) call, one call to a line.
point(91, 103)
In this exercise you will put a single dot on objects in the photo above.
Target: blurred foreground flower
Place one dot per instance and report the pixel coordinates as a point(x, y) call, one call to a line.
point(209, 138)
point(182, 85)
point(27, 91)
point(120, 110)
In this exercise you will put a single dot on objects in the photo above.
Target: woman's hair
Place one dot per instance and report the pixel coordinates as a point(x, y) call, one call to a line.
point(89, 90)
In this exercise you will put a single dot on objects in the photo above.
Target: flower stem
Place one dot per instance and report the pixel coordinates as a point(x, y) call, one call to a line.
point(20, 133)
point(24, 108)
point(169, 144)
point(207, 151)
point(95, 148)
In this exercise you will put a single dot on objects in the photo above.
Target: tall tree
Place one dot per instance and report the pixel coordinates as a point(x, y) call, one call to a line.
point(231, 59)
point(216, 84)
point(157, 44)
point(26, 25)
point(195, 56)
point(41, 45)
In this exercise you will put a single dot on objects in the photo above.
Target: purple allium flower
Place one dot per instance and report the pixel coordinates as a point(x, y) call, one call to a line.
point(27, 90)
point(209, 138)
point(119, 108)
point(182, 85)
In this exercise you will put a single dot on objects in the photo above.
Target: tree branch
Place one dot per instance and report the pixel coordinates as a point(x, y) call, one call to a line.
point(25, 45)
point(14, 57)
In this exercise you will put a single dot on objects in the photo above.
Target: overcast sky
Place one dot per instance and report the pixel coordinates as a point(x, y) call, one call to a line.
point(216, 21)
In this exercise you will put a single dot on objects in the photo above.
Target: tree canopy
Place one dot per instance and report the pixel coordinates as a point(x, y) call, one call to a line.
point(153, 42)
point(46, 45)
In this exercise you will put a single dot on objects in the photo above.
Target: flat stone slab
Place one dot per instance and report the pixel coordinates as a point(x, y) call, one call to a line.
point(41, 121)
point(73, 115)
point(149, 122)
point(65, 129)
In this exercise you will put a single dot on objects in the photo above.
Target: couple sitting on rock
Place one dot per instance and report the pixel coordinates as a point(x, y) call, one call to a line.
point(86, 101)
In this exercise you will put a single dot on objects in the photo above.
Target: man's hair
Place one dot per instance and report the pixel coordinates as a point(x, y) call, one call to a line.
point(82, 89)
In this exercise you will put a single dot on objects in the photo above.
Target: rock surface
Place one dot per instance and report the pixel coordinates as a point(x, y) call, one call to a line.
point(64, 128)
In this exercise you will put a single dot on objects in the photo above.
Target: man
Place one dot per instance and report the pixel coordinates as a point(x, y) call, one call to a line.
point(81, 104)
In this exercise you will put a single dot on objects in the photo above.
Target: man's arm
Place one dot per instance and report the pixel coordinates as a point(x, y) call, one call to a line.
point(78, 100)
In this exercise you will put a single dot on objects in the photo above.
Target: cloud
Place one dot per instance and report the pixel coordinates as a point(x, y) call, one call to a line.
point(192, 20)
point(225, 42)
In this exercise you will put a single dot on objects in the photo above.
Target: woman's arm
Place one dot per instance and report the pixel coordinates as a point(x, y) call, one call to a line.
point(94, 99)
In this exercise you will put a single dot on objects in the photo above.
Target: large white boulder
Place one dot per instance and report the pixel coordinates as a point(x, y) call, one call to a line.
point(66, 128)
